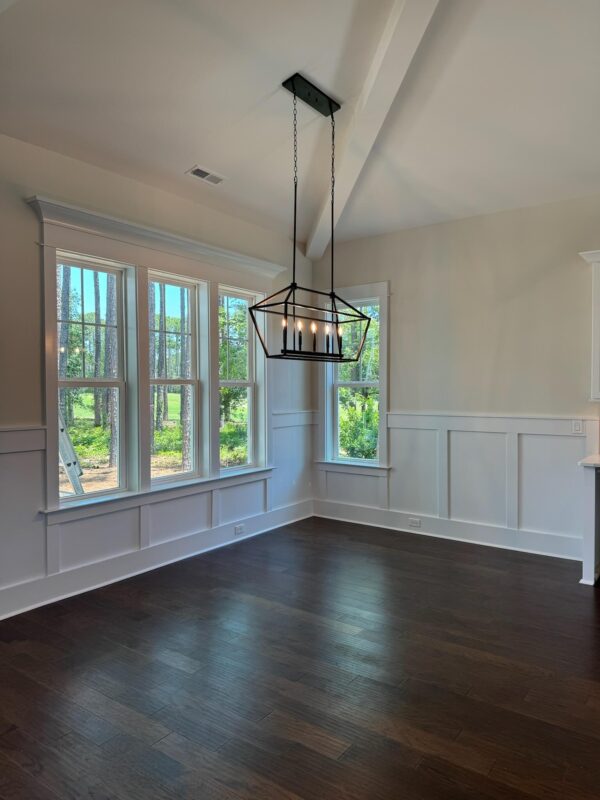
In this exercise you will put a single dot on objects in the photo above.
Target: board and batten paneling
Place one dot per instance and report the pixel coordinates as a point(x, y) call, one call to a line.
point(46, 556)
point(506, 481)
point(22, 498)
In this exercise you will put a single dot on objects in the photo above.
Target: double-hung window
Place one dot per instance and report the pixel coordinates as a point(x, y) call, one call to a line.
point(172, 308)
point(237, 390)
point(152, 378)
point(91, 378)
point(357, 391)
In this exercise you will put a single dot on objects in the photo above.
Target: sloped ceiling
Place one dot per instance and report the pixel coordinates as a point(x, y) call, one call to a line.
point(498, 109)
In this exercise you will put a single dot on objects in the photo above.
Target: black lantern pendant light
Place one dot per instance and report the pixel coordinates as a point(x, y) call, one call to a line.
point(315, 325)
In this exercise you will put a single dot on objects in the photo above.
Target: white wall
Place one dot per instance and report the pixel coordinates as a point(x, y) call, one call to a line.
point(43, 557)
point(490, 359)
point(490, 314)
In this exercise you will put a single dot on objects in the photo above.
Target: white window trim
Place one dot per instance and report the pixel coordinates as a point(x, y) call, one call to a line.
point(140, 251)
point(378, 292)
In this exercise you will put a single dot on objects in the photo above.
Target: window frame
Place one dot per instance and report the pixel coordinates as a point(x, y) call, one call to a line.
point(197, 288)
point(137, 261)
point(120, 383)
point(251, 384)
point(377, 293)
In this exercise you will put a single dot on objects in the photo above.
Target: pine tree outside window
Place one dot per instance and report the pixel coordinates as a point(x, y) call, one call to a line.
point(236, 380)
point(173, 377)
point(91, 384)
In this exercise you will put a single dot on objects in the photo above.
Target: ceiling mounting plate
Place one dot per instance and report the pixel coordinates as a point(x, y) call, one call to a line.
point(313, 96)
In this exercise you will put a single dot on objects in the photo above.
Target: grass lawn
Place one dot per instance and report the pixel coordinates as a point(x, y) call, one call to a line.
point(85, 408)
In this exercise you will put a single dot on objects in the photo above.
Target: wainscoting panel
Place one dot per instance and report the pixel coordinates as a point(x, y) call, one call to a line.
point(505, 481)
point(85, 541)
point(360, 489)
point(238, 502)
point(413, 481)
point(477, 477)
point(22, 525)
point(47, 556)
point(292, 453)
point(179, 517)
point(550, 482)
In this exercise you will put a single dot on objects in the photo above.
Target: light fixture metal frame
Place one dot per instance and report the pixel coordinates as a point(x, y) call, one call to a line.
point(289, 308)
point(335, 312)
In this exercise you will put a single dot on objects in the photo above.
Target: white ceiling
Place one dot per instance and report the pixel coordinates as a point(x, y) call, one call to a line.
point(499, 109)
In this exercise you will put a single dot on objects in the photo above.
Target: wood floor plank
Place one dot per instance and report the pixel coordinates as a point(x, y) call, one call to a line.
point(322, 661)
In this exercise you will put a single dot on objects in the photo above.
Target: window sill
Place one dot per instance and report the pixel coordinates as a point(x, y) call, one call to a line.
point(92, 506)
point(353, 467)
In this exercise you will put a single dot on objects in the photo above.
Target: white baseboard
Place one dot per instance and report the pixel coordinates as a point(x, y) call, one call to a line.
point(537, 542)
point(48, 589)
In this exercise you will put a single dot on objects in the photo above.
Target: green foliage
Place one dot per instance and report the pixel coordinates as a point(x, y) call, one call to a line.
point(358, 407)
point(367, 368)
point(233, 445)
point(233, 433)
point(233, 338)
point(168, 441)
point(358, 411)
point(91, 443)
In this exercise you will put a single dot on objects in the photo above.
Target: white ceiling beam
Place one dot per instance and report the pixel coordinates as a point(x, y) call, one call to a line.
point(403, 32)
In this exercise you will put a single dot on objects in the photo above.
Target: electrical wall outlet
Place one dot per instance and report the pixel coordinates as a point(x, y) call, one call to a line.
point(576, 426)
point(238, 530)
point(414, 522)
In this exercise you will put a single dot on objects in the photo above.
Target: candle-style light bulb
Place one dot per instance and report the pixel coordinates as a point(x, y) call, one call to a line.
point(313, 328)
point(339, 336)
point(300, 326)
point(327, 329)
point(284, 324)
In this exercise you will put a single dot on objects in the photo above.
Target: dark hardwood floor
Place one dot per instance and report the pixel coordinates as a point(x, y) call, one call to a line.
point(323, 660)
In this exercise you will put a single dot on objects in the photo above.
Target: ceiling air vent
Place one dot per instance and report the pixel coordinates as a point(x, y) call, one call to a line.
point(205, 175)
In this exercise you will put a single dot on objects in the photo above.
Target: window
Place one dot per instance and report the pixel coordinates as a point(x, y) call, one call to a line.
point(357, 390)
point(356, 393)
point(151, 379)
point(236, 380)
point(173, 377)
point(91, 385)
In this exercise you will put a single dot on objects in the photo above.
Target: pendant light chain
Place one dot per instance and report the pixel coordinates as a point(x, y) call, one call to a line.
point(332, 191)
point(295, 187)
point(312, 321)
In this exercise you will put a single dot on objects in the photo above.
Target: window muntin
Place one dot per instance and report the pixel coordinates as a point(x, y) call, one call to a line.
point(173, 377)
point(356, 394)
point(90, 369)
point(96, 328)
point(236, 380)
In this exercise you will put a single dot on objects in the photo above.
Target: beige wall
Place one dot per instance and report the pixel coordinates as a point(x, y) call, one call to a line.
point(490, 314)
point(26, 170)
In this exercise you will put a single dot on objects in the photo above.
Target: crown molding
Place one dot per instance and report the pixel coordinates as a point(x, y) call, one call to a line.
point(55, 212)
point(591, 256)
